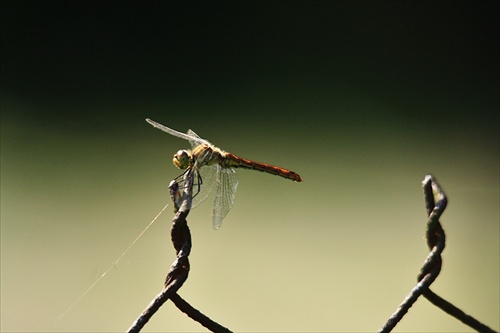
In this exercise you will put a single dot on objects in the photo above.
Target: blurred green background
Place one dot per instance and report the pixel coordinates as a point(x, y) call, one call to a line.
point(362, 99)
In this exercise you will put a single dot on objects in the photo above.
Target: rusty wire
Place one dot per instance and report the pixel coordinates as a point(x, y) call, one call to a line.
point(436, 240)
point(181, 239)
point(178, 273)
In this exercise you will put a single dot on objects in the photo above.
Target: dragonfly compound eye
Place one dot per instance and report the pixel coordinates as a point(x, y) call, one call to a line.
point(182, 159)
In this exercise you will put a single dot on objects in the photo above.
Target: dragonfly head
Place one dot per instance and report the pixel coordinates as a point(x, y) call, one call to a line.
point(182, 159)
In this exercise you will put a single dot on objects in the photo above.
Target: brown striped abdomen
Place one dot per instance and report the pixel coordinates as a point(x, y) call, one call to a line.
point(231, 160)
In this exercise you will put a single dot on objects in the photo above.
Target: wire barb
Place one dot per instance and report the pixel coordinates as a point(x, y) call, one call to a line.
point(431, 268)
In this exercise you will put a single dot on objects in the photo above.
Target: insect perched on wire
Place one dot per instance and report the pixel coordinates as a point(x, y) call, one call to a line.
point(215, 167)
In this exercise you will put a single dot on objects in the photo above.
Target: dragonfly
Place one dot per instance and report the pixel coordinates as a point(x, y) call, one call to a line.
point(214, 167)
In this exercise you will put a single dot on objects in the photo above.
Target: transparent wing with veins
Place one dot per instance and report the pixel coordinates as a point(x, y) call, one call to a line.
point(191, 136)
point(204, 183)
point(227, 183)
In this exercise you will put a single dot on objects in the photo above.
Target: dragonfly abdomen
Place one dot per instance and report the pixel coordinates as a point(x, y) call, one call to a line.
point(231, 160)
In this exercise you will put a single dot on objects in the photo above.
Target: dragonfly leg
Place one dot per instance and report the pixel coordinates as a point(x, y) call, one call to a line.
point(197, 182)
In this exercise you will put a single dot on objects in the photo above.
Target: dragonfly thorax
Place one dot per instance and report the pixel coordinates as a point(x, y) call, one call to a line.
point(182, 159)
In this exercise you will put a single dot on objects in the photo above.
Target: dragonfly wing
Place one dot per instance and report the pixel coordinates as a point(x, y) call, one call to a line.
point(191, 136)
point(226, 185)
point(196, 139)
point(204, 183)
